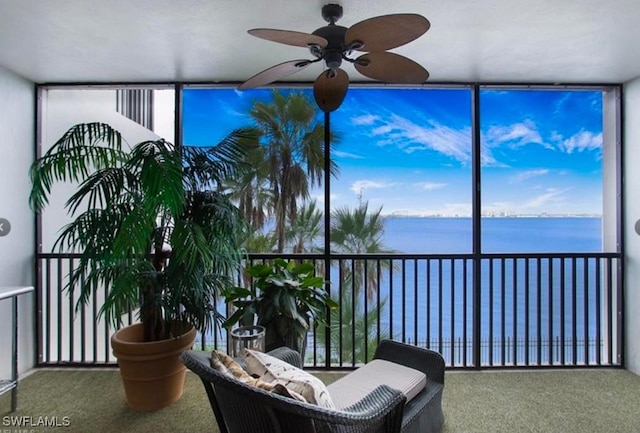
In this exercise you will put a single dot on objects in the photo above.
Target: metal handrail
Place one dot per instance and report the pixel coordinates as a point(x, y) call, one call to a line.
point(537, 310)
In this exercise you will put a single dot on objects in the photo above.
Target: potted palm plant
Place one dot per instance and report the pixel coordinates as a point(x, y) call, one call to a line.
point(286, 297)
point(151, 224)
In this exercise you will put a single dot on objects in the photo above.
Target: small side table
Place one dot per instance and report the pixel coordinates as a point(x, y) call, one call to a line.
point(12, 383)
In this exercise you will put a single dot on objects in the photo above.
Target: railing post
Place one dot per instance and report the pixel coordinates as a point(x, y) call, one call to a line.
point(327, 232)
point(477, 219)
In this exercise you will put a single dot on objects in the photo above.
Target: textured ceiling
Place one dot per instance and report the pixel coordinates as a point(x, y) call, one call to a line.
point(543, 41)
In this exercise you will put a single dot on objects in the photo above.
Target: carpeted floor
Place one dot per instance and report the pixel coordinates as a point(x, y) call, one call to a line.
point(581, 401)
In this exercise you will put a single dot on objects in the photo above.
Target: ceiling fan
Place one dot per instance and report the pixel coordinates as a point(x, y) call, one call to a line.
point(334, 43)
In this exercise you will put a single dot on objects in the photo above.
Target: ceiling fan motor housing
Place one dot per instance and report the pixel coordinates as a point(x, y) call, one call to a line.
point(332, 53)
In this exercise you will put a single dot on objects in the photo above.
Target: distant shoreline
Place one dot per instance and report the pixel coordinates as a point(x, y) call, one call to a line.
point(392, 215)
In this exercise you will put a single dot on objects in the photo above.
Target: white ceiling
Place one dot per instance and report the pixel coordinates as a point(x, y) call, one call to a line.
point(537, 41)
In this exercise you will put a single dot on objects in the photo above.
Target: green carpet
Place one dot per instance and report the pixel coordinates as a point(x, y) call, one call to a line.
point(580, 401)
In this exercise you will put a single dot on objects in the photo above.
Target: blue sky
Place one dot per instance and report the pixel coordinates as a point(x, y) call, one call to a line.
point(409, 150)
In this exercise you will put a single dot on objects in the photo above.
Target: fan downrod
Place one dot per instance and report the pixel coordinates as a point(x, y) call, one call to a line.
point(331, 12)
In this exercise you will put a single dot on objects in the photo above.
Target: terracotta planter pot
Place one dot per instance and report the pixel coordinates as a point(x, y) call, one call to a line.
point(152, 373)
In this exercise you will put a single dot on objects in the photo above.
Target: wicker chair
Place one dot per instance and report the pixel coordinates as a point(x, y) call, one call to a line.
point(240, 408)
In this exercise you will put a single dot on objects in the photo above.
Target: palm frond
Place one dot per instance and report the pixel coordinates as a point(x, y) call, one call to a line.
point(102, 187)
point(159, 168)
point(82, 149)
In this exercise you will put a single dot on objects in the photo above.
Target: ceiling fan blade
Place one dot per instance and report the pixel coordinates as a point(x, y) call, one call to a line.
point(297, 39)
point(274, 73)
point(391, 68)
point(387, 31)
point(330, 89)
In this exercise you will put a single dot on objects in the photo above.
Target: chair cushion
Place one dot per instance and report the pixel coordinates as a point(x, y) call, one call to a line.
point(354, 386)
point(276, 371)
point(229, 367)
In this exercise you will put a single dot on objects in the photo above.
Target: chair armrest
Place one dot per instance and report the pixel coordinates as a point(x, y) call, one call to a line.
point(429, 362)
point(382, 400)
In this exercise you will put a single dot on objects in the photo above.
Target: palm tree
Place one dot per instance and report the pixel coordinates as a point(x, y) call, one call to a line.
point(260, 242)
point(307, 229)
point(250, 190)
point(151, 223)
point(353, 331)
point(359, 232)
point(293, 139)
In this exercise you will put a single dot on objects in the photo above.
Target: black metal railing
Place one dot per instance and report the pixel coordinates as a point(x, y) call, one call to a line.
point(535, 310)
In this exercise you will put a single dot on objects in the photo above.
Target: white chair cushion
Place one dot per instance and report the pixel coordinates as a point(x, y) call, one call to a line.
point(354, 386)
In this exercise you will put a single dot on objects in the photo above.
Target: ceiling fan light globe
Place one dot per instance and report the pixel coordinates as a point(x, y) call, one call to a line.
point(330, 88)
point(333, 59)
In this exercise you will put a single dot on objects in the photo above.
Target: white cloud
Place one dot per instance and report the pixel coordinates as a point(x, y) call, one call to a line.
point(524, 175)
point(410, 137)
point(341, 154)
point(516, 135)
point(412, 149)
point(381, 130)
point(551, 195)
point(367, 119)
point(487, 159)
point(454, 143)
point(583, 140)
point(430, 186)
point(365, 184)
point(319, 198)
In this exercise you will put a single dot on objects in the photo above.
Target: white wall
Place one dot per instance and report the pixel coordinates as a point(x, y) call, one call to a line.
point(61, 109)
point(632, 216)
point(16, 249)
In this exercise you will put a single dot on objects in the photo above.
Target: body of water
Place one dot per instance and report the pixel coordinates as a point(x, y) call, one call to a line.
point(529, 309)
point(535, 302)
point(499, 235)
